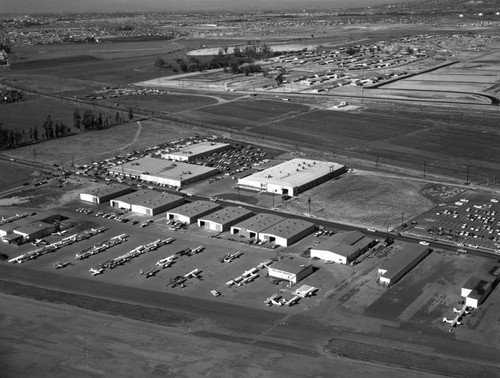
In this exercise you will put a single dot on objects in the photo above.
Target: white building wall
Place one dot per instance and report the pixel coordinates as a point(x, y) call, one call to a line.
point(88, 198)
point(120, 204)
point(465, 292)
point(472, 302)
point(280, 274)
point(328, 256)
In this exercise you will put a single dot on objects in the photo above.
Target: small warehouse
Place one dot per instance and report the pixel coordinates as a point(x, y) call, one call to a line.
point(105, 193)
point(196, 151)
point(147, 202)
point(290, 270)
point(292, 177)
point(287, 232)
point(164, 172)
point(223, 219)
point(477, 289)
point(35, 230)
point(190, 212)
point(342, 248)
point(399, 265)
point(252, 227)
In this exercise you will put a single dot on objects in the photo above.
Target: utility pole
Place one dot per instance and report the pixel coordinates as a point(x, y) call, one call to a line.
point(467, 179)
point(402, 218)
point(424, 168)
point(309, 204)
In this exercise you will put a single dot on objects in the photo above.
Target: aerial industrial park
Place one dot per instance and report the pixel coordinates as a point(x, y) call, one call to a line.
point(256, 194)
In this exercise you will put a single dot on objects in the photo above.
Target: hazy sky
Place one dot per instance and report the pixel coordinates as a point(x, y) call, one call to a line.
point(37, 6)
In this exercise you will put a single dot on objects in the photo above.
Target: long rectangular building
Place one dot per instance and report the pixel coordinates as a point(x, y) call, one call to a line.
point(196, 151)
point(292, 177)
point(147, 202)
point(164, 172)
point(287, 232)
point(343, 247)
point(191, 212)
point(223, 219)
point(399, 265)
point(252, 227)
point(104, 194)
point(290, 270)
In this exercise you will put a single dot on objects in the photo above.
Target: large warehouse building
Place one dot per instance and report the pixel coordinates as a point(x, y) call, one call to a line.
point(223, 219)
point(147, 202)
point(195, 151)
point(164, 172)
point(343, 247)
point(191, 212)
point(287, 232)
point(399, 265)
point(252, 227)
point(290, 270)
point(105, 194)
point(292, 177)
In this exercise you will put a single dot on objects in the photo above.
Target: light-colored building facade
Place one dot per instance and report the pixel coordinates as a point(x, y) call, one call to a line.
point(195, 151)
point(399, 265)
point(105, 193)
point(289, 270)
point(342, 248)
point(190, 212)
point(147, 202)
point(223, 219)
point(252, 227)
point(287, 232)
point(292, 177)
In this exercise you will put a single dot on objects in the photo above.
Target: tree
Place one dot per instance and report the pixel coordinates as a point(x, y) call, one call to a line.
point(279, 78)
point(117, 117)
point(77, 119)
point(159, 62)
point(130, 114)
point(87, 120)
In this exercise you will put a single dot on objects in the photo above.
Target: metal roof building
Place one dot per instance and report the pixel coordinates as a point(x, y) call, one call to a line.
point(393, 270)
point(147, 202)
point(343, 247)
point(191, 212)
point(223, 219)
point(292, 177)
point(162, 171)
point(287, 232)
point(105, 193)
point(35, 230)
point(196, 151)
point(252, 227)
point(290, 270)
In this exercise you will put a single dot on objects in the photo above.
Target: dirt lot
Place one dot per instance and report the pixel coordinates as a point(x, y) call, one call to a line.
point(363, 199)
point(14, 175)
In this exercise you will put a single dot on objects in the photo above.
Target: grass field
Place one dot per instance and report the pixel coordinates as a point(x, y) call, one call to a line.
point(33, 112)
point(164, 103)
point(240, 114)
point(97, 145)
point(338, 129)
point(13, 175)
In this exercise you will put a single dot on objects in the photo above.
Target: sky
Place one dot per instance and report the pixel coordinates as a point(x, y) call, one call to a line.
point(42, 6)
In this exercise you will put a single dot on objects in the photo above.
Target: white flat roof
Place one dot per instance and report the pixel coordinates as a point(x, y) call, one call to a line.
point(161, 168)
point(198, 148)
point(294, 173)
point(259, 222)
point(289, 227)
point(148, 198)
point(106, 190)
point(195, 208)
point(227, 214)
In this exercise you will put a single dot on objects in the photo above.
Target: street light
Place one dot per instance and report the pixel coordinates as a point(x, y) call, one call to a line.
point(402, 218)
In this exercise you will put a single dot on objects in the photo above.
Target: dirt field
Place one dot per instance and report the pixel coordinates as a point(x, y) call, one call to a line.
point(368, 200)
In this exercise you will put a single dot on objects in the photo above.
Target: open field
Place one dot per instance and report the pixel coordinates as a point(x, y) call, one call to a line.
point(249, 112)
point(13, 175)
point(363, 199)
point(97, 145)
point(33, 112)
point(164, 103)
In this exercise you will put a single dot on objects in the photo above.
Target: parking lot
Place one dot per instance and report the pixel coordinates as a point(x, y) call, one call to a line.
point(472, 221)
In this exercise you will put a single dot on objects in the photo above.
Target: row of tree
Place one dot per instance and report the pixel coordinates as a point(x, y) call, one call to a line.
point(51, 129)
point(237, 61)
